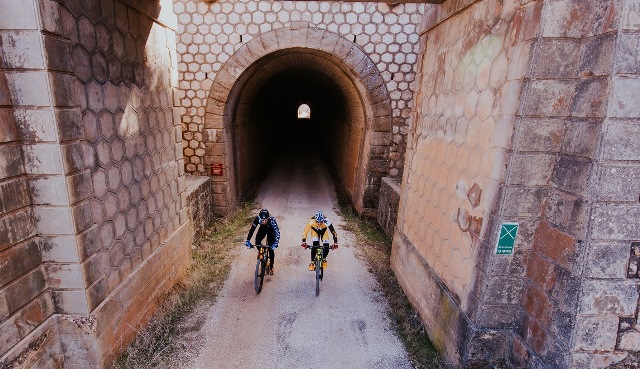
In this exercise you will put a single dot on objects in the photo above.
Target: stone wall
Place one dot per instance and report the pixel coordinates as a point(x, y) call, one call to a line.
point(210, 33)
point(91, 169)
point(388, 205)
point(200, 203)
point(524, 114)
point(471, 67)
point(607, 97)
point(28, 333)
point(564, 104)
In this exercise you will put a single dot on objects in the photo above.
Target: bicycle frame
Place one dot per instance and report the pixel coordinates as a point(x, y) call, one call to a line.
point(263, 266)
point(319, 261)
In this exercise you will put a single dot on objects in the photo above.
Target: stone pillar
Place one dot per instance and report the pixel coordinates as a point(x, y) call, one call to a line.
point(454, 178)
point(606, 324)
point(93, 211)
point(40, 193)
point(561, 163)
point(569, 105)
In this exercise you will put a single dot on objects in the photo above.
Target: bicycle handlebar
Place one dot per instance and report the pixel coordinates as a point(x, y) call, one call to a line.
point(323, 246)
point(260, 245)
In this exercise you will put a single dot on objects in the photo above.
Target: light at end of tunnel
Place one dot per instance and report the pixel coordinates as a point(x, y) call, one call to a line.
point(304, 112)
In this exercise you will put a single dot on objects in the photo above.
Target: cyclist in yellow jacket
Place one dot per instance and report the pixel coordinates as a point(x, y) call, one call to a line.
point(318, 226)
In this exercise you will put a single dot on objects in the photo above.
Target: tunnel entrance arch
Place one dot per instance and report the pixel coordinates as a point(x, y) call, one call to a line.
point(252, 109)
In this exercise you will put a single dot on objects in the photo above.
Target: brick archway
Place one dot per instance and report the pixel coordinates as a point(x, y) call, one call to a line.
point(351, 71)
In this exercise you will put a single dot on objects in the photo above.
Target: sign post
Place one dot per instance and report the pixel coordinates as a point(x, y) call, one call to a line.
point(506, 238)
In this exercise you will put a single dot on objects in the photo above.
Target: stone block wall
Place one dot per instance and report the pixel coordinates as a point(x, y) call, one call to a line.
point(388, 205)
point(93, 210)
point(200, 203)
point(460, 141)
point(28, 333)
point(576, 298)
point(527, 118)
point(473, 60)
point(609, 301)
point(210, 33)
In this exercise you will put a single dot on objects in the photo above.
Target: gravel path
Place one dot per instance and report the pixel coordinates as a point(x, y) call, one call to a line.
point(286, 325)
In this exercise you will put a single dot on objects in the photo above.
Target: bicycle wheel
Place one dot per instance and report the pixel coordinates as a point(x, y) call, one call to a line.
point(318, 275)
point(259, 276)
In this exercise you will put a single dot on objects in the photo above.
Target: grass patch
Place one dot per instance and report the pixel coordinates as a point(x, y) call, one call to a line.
point(376, 250)
point(212, 257)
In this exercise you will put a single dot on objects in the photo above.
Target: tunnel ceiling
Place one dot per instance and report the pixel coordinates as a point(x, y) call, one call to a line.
point(309, 73)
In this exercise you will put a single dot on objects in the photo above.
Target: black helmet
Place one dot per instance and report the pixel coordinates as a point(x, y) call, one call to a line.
point(264, 214)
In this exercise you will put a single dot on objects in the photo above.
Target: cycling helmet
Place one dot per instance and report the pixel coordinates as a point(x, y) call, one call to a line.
point(264, 214)
point(319, 216)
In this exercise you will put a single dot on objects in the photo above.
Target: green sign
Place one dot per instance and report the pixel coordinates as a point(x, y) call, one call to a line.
point(506, 238)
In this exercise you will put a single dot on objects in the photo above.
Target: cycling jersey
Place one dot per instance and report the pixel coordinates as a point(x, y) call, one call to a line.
point(319, 230)
point(270, 230)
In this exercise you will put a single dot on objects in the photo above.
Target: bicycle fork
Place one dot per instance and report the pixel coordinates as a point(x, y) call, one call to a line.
point(264, 256)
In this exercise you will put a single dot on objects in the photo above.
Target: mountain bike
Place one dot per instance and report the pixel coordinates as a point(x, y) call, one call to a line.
point(319, 260)
point(263, 266)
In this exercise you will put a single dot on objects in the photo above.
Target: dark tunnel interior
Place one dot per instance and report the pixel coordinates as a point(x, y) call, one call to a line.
point(276, 105)
point(266, 127)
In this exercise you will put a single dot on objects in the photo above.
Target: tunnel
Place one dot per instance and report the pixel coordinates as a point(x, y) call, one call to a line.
point(257, 115)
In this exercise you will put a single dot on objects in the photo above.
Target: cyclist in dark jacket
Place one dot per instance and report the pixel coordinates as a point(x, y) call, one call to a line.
point(267, 226)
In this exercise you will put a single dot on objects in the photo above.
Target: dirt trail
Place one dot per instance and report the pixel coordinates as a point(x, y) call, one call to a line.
point(286, 325)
